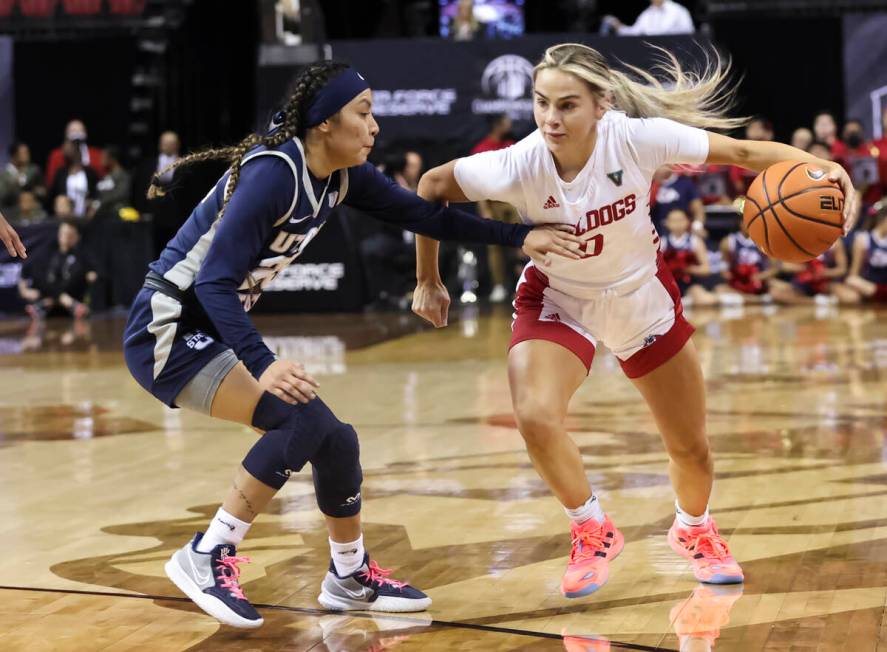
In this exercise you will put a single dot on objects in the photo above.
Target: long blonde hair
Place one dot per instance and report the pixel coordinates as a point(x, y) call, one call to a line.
point(695, 99)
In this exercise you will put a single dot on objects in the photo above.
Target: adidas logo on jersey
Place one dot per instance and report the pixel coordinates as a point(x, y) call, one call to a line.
point(551, 203)
point(552, 316)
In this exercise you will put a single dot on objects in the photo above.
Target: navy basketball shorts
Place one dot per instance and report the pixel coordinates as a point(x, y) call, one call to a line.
point(163, 354)
point(644, 326)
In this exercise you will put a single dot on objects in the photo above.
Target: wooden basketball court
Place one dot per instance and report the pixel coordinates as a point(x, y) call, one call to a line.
point(100, 483)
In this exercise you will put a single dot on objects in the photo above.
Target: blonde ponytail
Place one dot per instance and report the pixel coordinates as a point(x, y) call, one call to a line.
point(696, 99)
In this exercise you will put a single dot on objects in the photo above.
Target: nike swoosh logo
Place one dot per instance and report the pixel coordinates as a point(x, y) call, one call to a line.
point(201, 579)
point(363, 594)
point(296, 220)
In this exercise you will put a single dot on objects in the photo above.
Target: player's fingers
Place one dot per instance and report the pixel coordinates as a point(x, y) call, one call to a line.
point(569, 243)
point(304, 376)
point(19, 245)
point(565, 252)
point(564, 228)
point(282, 395)
point(295, 391)
point(301, 385)
point(441, 317)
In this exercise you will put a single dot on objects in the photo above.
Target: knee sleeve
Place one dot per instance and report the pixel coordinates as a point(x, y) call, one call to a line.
point(337, 473)
point(291, 444)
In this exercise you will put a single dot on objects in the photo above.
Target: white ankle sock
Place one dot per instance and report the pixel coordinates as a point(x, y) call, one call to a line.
point(224, 528)
point(588, 510)
point(690, 521)
point(347, 557)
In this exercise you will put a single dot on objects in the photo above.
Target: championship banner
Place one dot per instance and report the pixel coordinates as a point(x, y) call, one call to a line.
point(449, 89)
point(865, 69)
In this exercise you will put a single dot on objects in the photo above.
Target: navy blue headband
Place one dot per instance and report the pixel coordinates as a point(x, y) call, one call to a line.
point(335, 94)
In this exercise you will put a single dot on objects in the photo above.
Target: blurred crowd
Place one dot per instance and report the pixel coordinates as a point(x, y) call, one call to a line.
point(90, 195)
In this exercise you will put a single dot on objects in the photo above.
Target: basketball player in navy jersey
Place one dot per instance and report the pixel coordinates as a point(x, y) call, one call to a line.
point(191, 344)
point(867, 279)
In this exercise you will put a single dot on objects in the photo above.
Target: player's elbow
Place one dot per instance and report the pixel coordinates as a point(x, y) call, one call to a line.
point(432, 185)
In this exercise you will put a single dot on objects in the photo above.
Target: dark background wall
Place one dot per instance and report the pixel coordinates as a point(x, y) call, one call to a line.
point(790, 69)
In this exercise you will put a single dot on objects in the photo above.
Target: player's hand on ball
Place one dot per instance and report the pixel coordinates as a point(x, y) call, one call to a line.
point(289, 382)
point(559, 239)
point(431, 302)
point(838, 174)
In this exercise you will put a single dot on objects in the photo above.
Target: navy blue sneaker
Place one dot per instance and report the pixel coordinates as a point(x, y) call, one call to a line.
point(369, 589)
point(210, 579)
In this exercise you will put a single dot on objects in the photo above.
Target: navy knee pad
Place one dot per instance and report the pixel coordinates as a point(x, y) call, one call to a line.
point(292, 443)
point(337, 473)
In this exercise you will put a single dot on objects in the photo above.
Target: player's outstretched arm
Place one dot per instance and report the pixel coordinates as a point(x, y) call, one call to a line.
point(758, 155)
point(10, 239)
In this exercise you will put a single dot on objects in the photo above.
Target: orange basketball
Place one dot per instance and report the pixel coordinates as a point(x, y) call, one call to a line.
point(792, 212)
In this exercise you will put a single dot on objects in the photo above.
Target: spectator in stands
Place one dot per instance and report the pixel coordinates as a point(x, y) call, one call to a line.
point(758, 128)
point(813, 281)
point(412, 171)
point(661, 17)
point(686, 256)
point(166, 217)
point(76, 181)
point(62, 208)
point(820, 149)
point(498, 137)
point(802, 138)
point(115, 190)
point(825, 129)
point(29, 210)
point(62, 281)
point(672, 191)
point(861, 161)
point(75, 132)
point(714, 184)
point(867, 279)
point(20, 175)
point(501, 262)
point(747, 270)
point(465, 25)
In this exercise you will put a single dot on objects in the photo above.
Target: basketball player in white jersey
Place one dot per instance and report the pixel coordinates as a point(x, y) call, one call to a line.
point(601, 135)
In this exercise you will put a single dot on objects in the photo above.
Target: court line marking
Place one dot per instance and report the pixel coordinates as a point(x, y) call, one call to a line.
point(354, 614)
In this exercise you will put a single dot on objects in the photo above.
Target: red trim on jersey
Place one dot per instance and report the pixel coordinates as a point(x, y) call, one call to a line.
point(666, 346)
point(526, 325)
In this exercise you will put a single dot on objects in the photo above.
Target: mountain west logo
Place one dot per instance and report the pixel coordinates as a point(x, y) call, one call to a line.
point(615, 177)
point(507, 85)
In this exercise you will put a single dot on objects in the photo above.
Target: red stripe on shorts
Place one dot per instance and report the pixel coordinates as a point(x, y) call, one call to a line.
point(527, 326)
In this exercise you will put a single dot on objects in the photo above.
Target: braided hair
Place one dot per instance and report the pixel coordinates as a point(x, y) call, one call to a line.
point(291, 125)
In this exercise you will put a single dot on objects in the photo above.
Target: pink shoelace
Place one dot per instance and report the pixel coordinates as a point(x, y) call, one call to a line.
point(586, 543)
point(229, 572)
point(710, 544)
point(380, 575)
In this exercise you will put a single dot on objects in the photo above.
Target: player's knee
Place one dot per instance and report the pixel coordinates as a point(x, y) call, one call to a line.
point(337, 473)
point(295, 439)
point(693, 452)
point(538, 421)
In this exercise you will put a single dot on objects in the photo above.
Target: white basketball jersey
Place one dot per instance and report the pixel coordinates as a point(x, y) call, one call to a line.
point(608, 202)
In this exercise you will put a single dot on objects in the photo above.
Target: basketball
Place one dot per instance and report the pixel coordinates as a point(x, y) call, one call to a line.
point(792, 212)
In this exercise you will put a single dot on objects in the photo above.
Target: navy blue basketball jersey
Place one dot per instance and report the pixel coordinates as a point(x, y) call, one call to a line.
point(276, 209)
